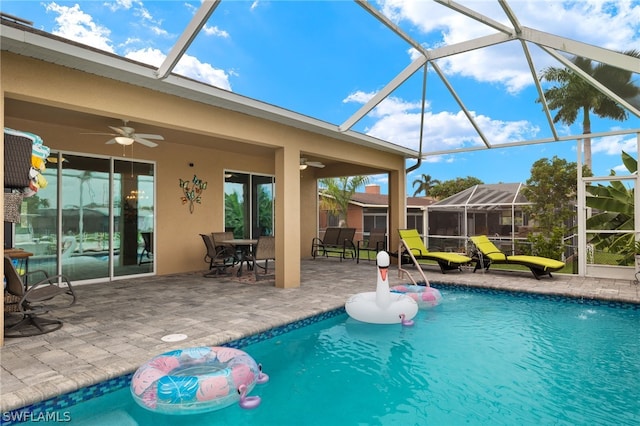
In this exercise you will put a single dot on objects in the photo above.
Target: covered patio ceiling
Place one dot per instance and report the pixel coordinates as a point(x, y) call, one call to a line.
point(498, 29)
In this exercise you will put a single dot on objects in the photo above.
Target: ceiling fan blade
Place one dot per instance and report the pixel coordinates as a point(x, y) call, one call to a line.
point(103, 134)
point(144, 142)
point(149, 136)
point(120, 131)
point(315, 164)
point(110, 141)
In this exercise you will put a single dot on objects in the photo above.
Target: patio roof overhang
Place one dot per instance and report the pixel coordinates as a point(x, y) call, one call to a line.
point(26, 41)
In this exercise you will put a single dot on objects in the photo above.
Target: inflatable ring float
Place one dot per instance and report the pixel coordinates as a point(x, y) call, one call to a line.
point(197, 380)
point(425, 296)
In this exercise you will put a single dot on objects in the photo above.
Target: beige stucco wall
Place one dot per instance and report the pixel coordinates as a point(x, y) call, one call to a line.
point(212, 138)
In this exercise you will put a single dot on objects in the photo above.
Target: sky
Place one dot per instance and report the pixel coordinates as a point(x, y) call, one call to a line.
point(326, 59)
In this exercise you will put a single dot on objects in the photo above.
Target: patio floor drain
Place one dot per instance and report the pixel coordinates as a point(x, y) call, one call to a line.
point(173, 337)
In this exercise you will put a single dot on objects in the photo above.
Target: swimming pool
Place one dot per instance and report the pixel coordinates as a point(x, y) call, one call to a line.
point(481, 357)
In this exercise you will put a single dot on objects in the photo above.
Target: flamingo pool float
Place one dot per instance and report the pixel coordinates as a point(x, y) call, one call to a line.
point(382, 306)
point(247, 402)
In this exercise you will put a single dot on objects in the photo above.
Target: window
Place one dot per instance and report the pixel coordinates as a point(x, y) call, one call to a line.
point(249, 204)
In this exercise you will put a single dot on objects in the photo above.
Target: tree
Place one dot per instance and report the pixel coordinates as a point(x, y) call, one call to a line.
point(574, 95)
point(425, 183)
point(451, 187)
point(552, 189)
point(339, 191)
point(234, 214)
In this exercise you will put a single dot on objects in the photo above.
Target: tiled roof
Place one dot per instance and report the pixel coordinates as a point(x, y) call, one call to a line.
point(382, 200)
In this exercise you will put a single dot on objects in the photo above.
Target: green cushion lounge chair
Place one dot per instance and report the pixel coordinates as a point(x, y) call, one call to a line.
point(488, 253)
point(411, 246)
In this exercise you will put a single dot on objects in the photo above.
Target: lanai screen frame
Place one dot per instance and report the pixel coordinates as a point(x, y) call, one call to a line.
point(496, 200)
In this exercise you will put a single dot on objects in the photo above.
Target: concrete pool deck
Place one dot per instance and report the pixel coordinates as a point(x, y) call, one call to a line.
point(117, 326)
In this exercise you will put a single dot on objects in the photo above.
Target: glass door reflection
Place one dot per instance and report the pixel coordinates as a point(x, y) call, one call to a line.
point(134, 207)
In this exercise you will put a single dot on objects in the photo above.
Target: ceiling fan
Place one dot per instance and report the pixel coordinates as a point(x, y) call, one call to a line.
point(304, 164)
point(125, 135)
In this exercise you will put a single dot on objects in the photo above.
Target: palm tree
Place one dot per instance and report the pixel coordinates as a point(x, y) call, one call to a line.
point(339, 192)
point(425, 183)
point(574, 94)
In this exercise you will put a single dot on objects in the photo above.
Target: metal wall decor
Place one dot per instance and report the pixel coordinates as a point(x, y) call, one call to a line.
point(192, 191)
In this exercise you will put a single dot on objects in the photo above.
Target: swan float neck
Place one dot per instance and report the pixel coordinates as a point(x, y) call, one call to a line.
point(381, 306)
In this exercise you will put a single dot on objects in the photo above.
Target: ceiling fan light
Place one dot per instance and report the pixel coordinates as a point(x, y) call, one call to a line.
point(303, 166)
point(123, 140)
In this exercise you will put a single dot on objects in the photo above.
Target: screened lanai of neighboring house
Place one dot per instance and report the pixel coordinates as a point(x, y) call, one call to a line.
point(495, 210)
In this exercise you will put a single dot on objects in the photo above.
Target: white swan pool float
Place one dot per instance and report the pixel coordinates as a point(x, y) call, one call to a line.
point(381, 306)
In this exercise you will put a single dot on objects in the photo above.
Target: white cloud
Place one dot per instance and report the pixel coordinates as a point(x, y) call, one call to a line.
point(613, 145)
point(398, 121)
point(118, 4)
point(215, 31)
point(189, 66)
point(74, 24)
point(590, 21)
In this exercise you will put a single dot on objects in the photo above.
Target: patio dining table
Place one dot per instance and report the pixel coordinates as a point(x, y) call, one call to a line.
point(243, 247)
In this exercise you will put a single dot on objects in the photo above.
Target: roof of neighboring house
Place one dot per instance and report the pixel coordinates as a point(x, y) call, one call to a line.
point(485, 196)
point(364, 199)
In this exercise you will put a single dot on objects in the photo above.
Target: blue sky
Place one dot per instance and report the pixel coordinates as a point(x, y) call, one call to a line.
point(326, 59)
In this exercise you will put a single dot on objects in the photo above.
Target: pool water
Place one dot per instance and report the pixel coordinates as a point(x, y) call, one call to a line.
point(479, 358)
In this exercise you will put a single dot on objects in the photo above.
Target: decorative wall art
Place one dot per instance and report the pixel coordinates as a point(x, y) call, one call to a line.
point(192, 191)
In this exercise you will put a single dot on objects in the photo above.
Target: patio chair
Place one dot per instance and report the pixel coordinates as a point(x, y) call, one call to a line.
point(376, 242)
point(49, 294)
point(265, 250)
point(147, 251)
point(219, 258)
point(413, 250)
point(336, 240)
point(487, 253)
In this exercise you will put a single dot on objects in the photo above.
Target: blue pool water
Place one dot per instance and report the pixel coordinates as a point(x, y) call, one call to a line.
point(479, 358)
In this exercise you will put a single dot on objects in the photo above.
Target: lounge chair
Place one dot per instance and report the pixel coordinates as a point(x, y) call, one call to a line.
point(487, 254)
point(49, 294)
point(376, 242)
point(413, 250)
point(265, 250)
point(219, 258)
point(335, 240)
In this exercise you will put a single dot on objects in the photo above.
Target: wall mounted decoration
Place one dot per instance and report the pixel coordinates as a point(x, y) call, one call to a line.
point(192, 191)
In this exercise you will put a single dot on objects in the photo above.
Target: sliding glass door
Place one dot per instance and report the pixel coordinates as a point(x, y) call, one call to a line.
point(133, 206)
point(94, 220)
point(84, 197)
point(249, 204)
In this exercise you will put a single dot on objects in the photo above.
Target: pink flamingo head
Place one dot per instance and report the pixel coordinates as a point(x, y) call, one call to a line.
point(262, 377)
point(405, 322)
point(247, 402)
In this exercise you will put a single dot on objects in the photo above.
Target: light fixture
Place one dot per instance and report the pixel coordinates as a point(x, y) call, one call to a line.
point(303, 166)
point(123, 140)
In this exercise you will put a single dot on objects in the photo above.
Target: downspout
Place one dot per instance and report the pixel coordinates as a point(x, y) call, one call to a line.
point(424, 96)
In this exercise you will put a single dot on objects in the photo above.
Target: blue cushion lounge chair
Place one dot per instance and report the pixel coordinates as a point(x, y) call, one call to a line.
point(488, 253)
point(411, 243)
